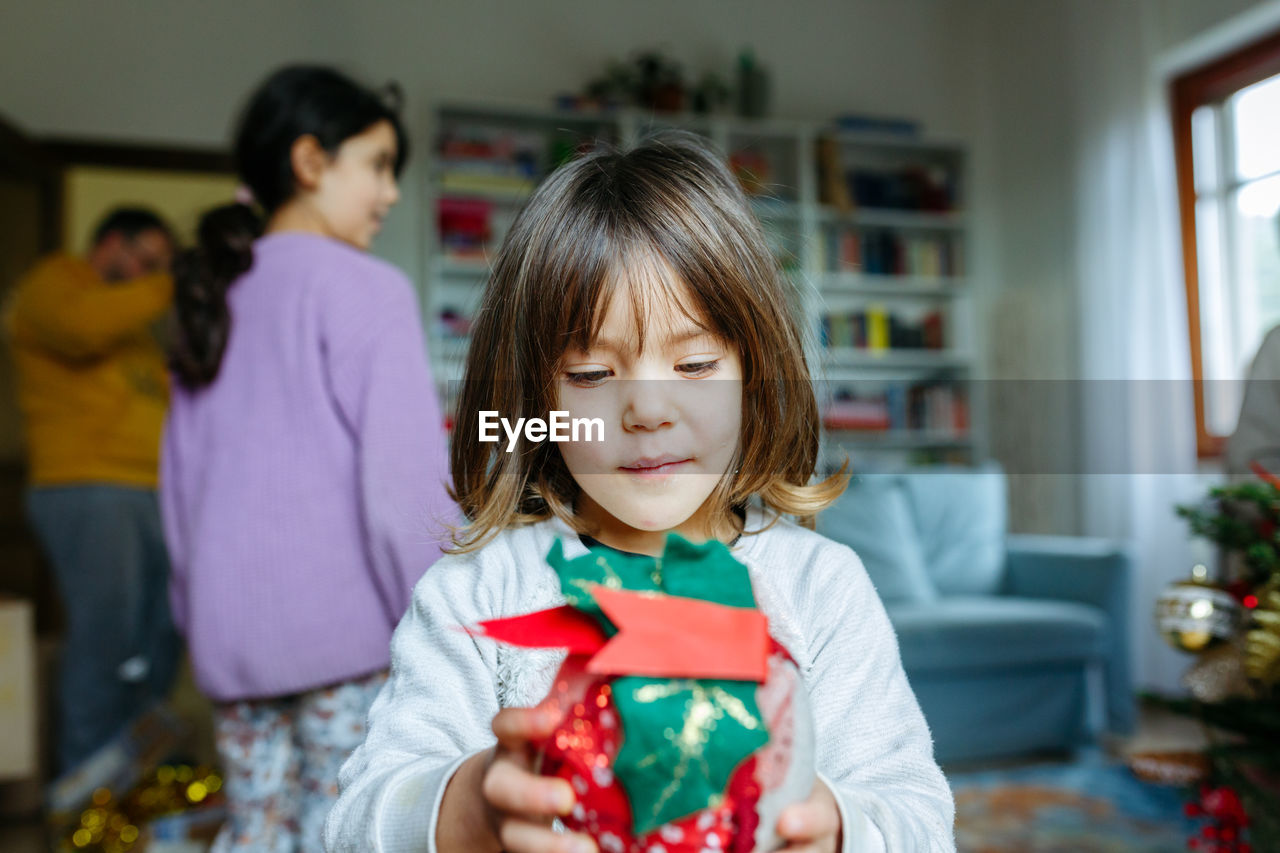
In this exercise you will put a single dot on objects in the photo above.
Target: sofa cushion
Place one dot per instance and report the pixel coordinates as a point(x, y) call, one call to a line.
point(872, 518)
point(981, 632)
point(961, 515)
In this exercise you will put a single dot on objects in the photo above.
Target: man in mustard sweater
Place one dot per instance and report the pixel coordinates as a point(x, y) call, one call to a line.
point(92, 388)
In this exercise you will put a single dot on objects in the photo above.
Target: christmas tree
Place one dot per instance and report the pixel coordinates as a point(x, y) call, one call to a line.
point(1230, 619)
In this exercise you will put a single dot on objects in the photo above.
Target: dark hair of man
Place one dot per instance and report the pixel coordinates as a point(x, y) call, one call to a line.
point(129, 222)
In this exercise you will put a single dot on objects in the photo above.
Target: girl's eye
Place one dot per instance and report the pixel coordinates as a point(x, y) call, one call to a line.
point(699, 368)
point(587, 378)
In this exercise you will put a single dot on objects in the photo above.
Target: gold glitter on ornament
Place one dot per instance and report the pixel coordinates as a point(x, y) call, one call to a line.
point(706, 707)
point(1194, 615)
point(111, 825)
point(1262, 644)
point(1217, 675)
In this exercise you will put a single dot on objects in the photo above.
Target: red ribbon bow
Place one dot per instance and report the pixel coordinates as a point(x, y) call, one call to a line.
point(660, 636)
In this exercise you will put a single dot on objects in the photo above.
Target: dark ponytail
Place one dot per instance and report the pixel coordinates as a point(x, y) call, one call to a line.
point(296, 101)
point(202, 276)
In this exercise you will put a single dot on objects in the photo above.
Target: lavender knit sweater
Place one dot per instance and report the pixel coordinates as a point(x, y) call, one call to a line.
point(303, 491)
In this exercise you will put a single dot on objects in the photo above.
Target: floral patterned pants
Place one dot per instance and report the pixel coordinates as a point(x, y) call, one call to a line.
point(280, 764)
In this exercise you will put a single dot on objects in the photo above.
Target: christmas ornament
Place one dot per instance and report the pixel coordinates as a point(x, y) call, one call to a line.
point(1226, 821)
point(1194, 615)
point(1217, 675)
point(1262, 644)
point(684, 726)
point(116, 825)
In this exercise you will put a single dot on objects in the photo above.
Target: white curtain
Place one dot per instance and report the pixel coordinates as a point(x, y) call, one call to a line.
point(1141, 455)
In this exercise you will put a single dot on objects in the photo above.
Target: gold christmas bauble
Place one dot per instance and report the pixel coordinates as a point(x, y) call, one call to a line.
point(1194, 615)
point(1262, 643)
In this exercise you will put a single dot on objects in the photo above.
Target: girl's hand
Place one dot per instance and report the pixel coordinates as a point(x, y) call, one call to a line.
point(812, 826)
point(520, 804)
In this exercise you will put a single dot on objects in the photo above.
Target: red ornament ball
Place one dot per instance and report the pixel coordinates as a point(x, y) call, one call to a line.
point(584, 746)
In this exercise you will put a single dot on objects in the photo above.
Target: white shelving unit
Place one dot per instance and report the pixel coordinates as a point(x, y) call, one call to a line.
point(928, 394)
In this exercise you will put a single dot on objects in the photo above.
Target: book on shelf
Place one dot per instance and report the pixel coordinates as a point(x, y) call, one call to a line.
point(479, 157)
point(464, 228)
point(890, 253)
point(877, 324)
point(880, 330)
point(479, 182)
point(832, 189)
point(454, 325)
point(869, 415)
point(930, 408)
point(922, 189)
point(888, 125)
point(486, 146)
point(753, 170)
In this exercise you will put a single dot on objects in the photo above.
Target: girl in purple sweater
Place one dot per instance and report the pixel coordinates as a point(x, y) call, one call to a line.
point(304, 464)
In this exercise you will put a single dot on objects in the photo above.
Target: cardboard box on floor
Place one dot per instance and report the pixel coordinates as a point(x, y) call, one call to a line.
point(18, 701)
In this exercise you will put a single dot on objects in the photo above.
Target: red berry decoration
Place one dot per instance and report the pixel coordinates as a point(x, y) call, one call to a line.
point(1227, 821)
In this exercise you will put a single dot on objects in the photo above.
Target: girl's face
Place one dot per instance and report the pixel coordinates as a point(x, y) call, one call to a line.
point(357, 187)
point(672, 412)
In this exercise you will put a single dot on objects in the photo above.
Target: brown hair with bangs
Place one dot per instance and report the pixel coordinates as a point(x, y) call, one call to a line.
point(672, 199)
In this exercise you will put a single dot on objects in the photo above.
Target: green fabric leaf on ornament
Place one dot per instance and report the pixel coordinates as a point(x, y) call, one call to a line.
point(681, 741)
point(605, 567)
point(708, 572)
point(681, 738)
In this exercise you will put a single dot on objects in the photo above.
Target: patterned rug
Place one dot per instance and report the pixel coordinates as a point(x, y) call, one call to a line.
point(1088, 806)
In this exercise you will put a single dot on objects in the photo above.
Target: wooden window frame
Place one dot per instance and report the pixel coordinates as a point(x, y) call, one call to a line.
point(1211, 83)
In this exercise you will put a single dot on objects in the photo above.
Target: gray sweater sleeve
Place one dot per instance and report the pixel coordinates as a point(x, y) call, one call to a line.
point(433, 713)
point(872, 743)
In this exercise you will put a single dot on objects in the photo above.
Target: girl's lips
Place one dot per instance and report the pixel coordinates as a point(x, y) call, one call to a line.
point(654, 467)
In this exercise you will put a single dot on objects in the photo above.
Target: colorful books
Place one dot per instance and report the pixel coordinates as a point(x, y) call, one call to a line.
point(878, 329)
point(890, 253)
point(937, 409)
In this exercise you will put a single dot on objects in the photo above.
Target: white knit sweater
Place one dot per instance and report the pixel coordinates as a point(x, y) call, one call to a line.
point(872, 745)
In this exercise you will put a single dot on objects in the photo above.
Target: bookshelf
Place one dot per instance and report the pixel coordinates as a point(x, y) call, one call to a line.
point(870, 229)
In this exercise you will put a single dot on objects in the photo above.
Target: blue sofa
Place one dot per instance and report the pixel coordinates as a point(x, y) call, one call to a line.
point(1012, 644)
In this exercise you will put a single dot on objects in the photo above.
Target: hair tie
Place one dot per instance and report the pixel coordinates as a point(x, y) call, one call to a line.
point(392, 96)
point(244, 195)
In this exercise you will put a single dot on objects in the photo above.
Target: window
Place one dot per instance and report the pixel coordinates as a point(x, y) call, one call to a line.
point(1227, 144)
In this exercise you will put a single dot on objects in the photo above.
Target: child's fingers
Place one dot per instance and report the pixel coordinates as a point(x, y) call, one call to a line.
point(809, 820)
point(515, 727)
point(518, 836)
point(514, 790)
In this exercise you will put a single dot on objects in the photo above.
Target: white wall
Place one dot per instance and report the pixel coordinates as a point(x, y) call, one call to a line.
point(1183, 20)
point(175, 72)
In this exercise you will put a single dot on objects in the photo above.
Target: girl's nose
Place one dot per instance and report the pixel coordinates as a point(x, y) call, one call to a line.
point(393, 194)
point(648, 405)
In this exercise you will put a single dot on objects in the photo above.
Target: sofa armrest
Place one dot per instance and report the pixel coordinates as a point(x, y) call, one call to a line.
point(1086, 571)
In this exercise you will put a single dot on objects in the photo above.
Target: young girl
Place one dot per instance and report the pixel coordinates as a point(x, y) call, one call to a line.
point(304, 455)
point(637, 288)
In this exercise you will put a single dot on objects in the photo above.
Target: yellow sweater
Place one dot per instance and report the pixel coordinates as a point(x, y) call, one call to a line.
point(92, 381)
